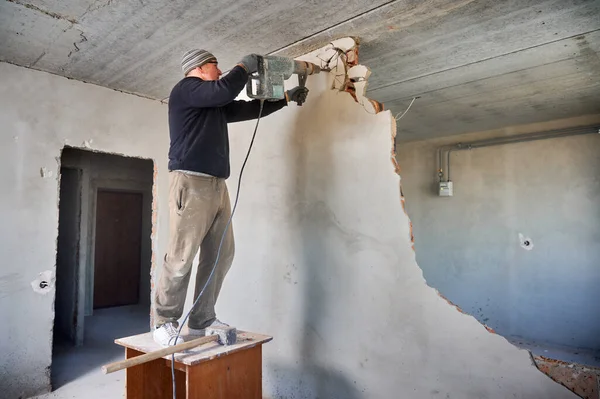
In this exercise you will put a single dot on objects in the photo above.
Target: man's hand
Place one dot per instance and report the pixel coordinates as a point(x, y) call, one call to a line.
point(250, 62)
point(297, 94)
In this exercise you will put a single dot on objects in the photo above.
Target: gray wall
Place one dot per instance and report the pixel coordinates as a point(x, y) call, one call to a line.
point(468, 245)
point(40, 114)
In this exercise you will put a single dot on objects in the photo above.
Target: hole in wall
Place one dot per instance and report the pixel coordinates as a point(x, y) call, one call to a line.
point(103, 263)
point(535, 287)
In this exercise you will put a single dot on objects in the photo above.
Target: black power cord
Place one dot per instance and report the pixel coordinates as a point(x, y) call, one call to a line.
point(237, 196)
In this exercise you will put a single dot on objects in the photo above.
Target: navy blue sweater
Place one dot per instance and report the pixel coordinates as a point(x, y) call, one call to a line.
point(199, 111)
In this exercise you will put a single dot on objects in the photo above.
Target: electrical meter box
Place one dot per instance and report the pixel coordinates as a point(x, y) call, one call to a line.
point(446, 189)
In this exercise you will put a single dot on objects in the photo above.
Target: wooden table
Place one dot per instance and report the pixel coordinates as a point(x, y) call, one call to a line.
point(210, 371)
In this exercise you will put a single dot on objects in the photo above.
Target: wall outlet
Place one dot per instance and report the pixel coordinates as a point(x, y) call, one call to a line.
point(446, 189)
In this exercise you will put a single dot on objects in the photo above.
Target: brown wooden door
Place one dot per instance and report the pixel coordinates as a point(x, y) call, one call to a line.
point(117, 258)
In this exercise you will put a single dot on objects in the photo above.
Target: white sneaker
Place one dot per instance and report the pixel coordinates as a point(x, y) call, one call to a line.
point(202, 331)
point(165, 335)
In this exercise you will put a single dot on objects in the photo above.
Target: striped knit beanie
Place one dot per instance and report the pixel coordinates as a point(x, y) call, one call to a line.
point(195, 58)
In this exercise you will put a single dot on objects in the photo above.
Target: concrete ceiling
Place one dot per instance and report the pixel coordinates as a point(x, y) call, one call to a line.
point(475, 65)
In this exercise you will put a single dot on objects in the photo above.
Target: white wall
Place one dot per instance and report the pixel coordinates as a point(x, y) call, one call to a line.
point(39, 114)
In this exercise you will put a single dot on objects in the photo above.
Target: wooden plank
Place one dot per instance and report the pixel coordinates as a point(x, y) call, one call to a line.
point(152, 380)
point(245, 340)
point(163, 352)
point(236, 376)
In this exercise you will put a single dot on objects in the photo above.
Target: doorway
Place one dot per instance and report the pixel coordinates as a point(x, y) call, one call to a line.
point(117, 263)
point(103, 260)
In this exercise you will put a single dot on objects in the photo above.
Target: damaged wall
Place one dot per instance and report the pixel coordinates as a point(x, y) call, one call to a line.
point(324, 257)
point(324, 262)
point(469, 247)
point(40, 113)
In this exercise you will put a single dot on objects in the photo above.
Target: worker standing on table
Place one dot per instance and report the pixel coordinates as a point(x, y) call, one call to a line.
point(200, 106)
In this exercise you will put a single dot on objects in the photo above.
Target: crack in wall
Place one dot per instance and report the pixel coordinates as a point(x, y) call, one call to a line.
point(45, 12)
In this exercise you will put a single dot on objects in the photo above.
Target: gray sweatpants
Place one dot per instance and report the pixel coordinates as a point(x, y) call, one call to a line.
point(199, 208)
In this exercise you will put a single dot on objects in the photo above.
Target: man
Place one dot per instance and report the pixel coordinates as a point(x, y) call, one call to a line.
point(200, 106)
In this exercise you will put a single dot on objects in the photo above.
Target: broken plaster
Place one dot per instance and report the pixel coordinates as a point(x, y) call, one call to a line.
point(341, 57)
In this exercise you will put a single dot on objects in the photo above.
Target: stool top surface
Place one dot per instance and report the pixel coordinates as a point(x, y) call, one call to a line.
point(203, 353)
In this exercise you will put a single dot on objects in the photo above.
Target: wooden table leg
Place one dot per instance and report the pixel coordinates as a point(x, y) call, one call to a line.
point(152, 380)
point(235, 376)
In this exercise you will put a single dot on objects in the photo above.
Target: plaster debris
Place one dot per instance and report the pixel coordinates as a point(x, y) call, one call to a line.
point(526, 242)
point(44, 283)
point(45, 173)
point(88, 143)
point(341, 57)
point(580, 379)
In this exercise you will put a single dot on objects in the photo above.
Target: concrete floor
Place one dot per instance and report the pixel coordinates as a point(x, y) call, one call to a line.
point(76, 370)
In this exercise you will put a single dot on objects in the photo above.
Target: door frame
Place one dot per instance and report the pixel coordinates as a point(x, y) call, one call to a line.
point(79, 184)
point(88, 243)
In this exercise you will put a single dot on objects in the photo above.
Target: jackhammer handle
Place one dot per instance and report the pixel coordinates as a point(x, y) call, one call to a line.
point(147, 357)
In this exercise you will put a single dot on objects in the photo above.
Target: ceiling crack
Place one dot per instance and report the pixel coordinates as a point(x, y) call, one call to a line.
point(37, 60)
point(91, 7)
point(48, 13)
point(83, 39)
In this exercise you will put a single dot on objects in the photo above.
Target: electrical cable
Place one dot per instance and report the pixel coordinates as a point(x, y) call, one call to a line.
point(409, 105)
point(237, 195)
